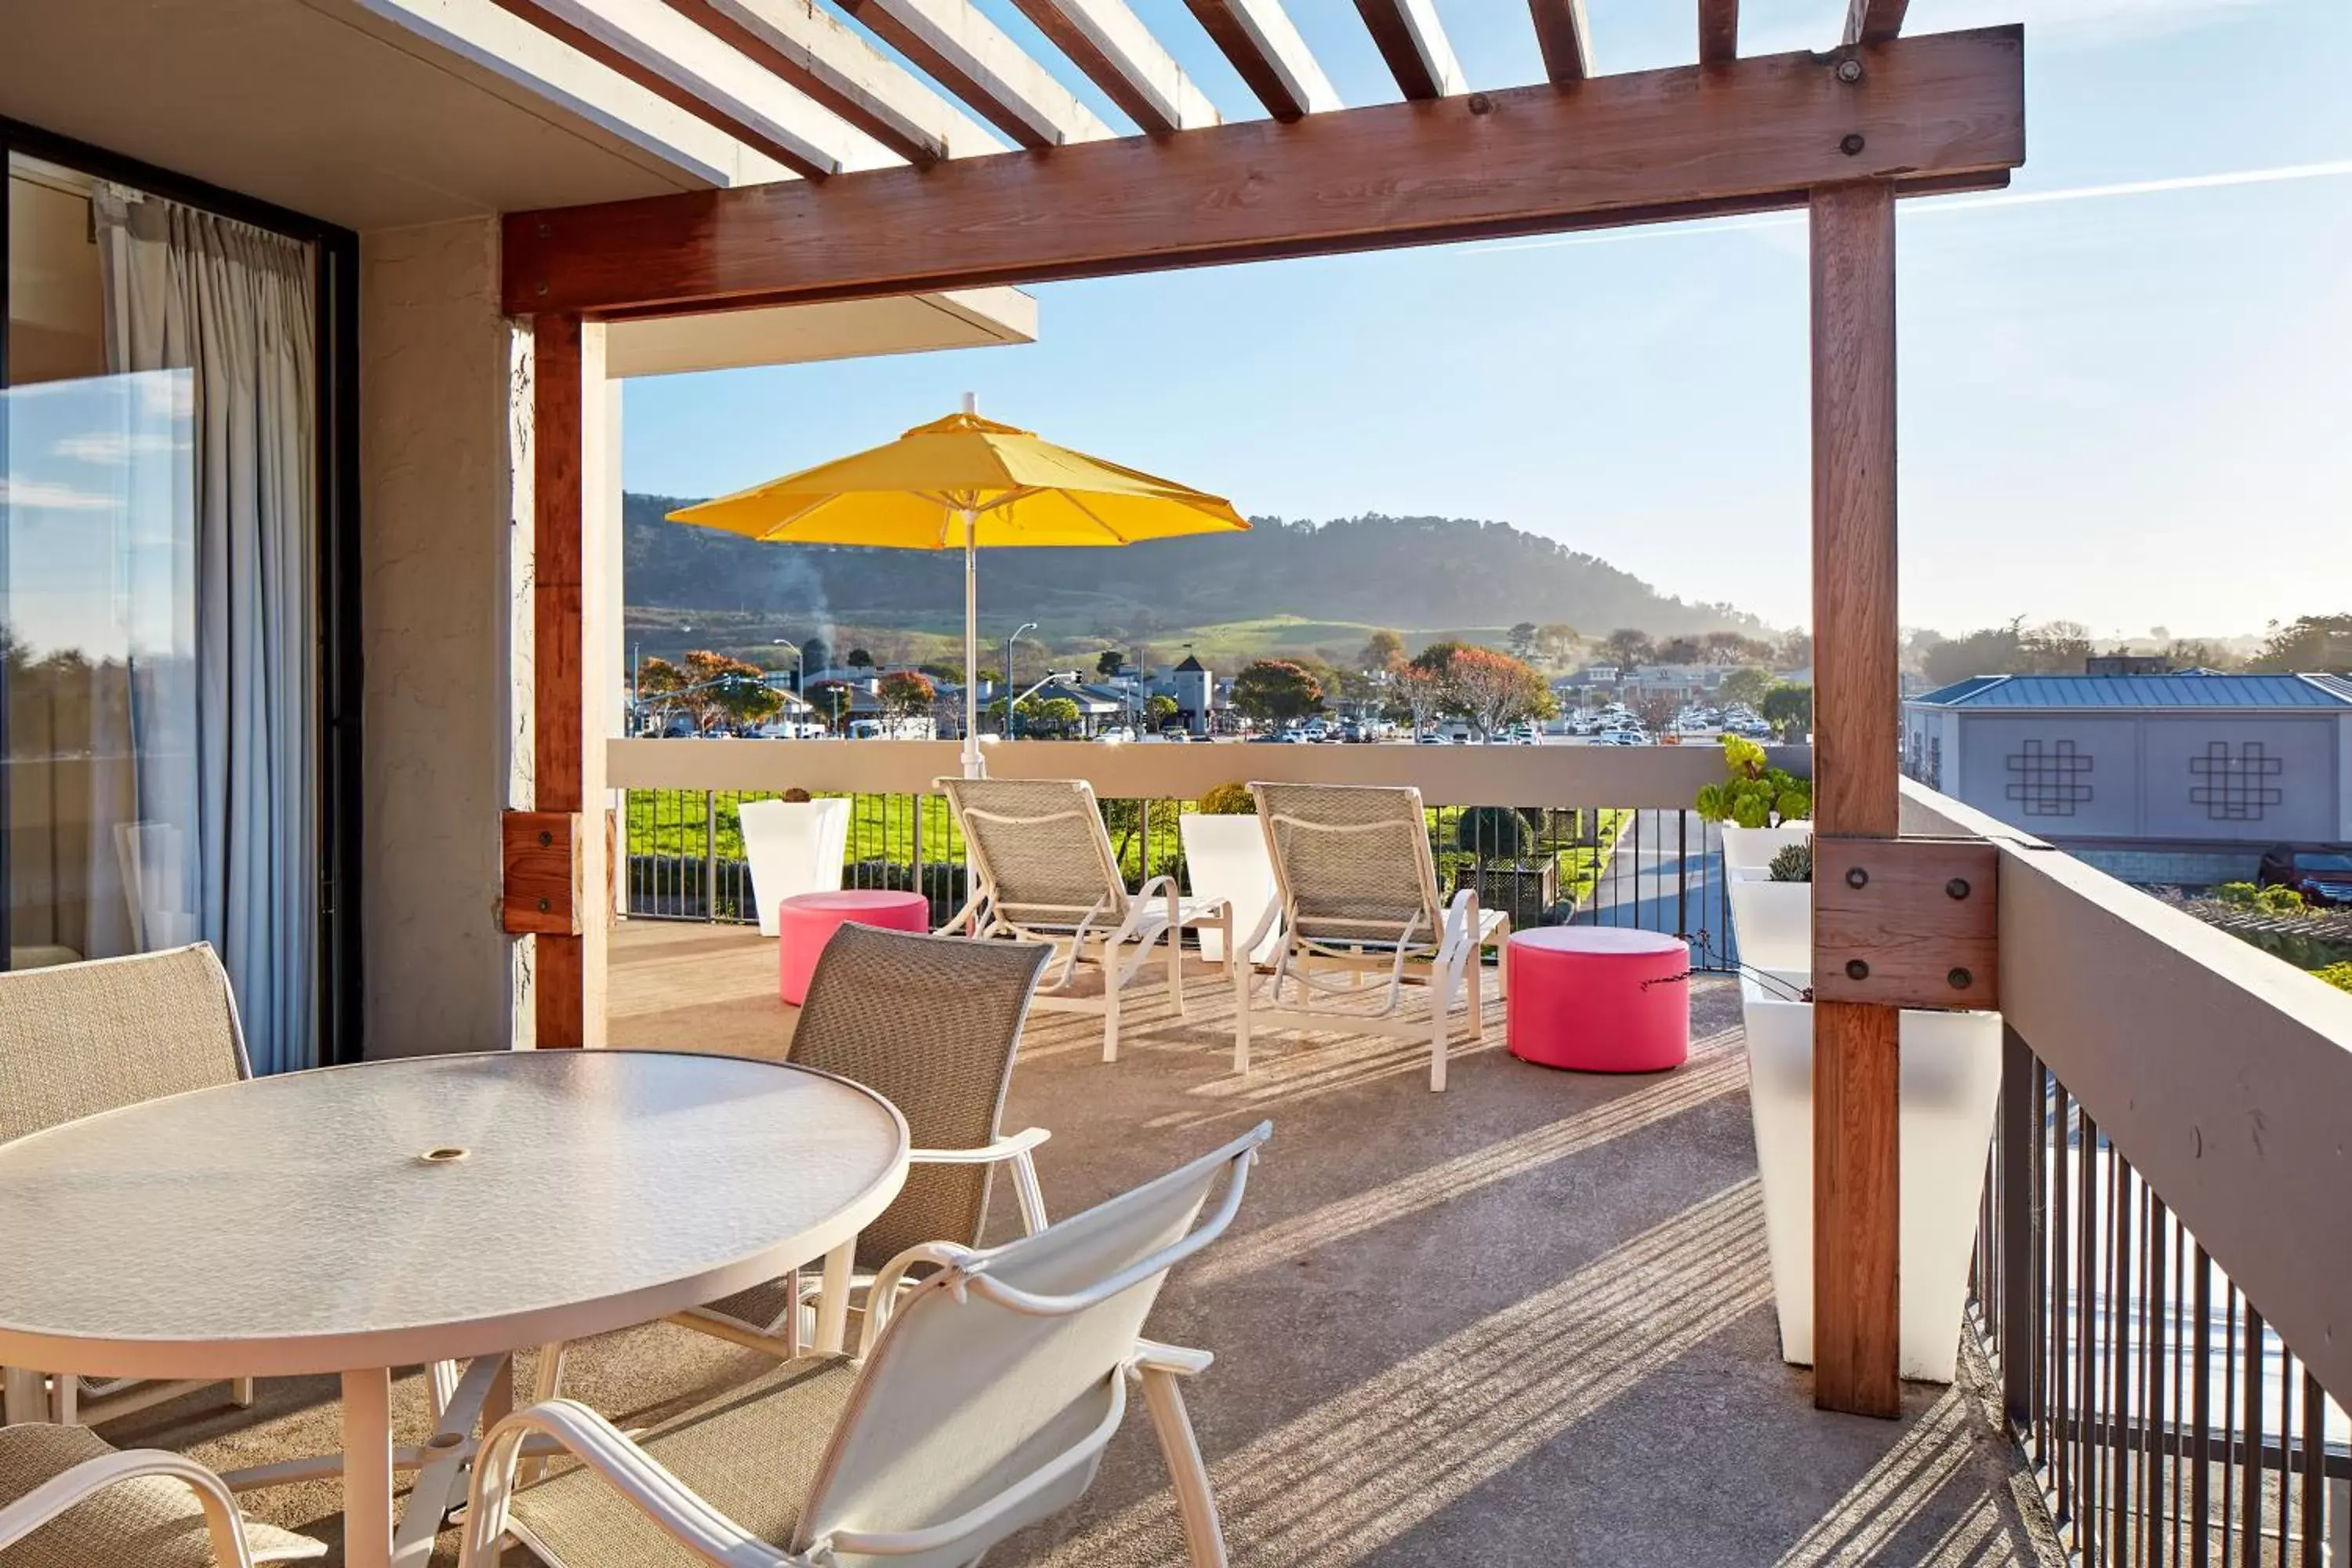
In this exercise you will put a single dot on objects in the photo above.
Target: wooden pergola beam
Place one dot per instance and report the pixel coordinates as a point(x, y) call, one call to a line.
point(1942, 111)
point(1259, 39)
point(1718, 32)
point(1565, 36)
point(1873, 21)
point(1413, 41)
point(559, 989)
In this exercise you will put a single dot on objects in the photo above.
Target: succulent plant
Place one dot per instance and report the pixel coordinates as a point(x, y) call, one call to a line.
point(1228, 800)
point(1755, 794)
point(1794, 863)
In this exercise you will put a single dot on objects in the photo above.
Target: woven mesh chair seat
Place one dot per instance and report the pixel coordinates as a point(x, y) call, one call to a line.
point(147, 1523)
point(931, 1023)
point(1354, 861)
point(1041, 848)
point(750, 1453)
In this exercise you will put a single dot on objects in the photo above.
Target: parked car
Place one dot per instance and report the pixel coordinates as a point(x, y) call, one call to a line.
point(2323, 875)
point(1435, 737)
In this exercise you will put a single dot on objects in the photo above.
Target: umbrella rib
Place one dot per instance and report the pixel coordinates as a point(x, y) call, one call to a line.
point(1078, 501)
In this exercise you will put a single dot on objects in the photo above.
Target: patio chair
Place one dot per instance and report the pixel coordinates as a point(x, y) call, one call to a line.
point(71, 1499)
point(980, 1402)
point(1043, 870)
point(80, 1038)
point(931, 1023)
point(1357, 892)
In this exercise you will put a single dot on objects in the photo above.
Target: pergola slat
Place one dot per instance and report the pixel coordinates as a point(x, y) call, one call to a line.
point(1873, 21)
point(1110, 44)
point(809, 49)
point(1258, 37)
point(1565, 36)
point(1718, 31)
point(1415, 45)
point(970, 56)
point(1941, 112)
point(685, 83)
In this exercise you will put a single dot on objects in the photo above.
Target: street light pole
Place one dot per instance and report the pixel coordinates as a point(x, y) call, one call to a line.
point(1012, 731)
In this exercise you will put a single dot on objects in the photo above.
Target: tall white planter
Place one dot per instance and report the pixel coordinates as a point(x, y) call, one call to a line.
point(1752, 848)
point(1225, 858)
point(793, 846)
point(1949, 1087)
point(1772, 922)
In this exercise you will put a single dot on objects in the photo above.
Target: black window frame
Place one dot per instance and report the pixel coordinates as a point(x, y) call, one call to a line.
point(336, 252)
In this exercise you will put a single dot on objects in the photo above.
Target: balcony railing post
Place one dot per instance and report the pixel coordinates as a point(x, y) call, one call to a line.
point(2019, 1151)
point(709, 855)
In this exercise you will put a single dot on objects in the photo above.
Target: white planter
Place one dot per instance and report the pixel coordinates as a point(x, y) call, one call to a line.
point(1752, 848)
point(1225, 858)
point(1949, 1087)
point(1772, 923)
point(792, 846)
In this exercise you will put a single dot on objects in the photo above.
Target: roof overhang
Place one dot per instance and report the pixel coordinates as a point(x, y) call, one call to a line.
point(801, 335)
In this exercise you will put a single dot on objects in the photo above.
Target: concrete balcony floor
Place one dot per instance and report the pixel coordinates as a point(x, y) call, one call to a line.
point(1527, 1321)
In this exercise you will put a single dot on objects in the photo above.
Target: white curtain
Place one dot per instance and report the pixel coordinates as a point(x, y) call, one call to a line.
point(233, 306)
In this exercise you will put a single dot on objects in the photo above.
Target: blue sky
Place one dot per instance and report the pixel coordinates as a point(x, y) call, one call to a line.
point(2125, 406)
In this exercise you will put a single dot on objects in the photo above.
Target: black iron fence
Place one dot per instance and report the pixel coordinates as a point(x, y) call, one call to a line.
point(1654, 869)
point(2167, 1424)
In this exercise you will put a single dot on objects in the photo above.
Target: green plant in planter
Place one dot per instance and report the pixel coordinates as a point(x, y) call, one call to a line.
point(1794, 863)
point(1754, 794)
point(1491, 832)
point(1228, 800)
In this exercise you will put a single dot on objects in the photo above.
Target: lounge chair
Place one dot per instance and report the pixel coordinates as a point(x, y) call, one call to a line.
point(931, 1023)
point(1357, 889)
point(80, 1038)
point(1043, 870)
point(980, 1402)
point(69, 1500)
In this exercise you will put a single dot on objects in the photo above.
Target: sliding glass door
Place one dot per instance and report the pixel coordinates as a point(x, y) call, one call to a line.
point(160, 593)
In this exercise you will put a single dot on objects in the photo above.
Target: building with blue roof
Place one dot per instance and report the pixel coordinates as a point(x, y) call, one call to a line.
point(2178, 777)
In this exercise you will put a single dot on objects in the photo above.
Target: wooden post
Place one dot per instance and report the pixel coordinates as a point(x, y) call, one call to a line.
point(559, 977)
point(1856, 1217)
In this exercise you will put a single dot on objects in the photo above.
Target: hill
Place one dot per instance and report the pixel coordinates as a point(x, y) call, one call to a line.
point(1284, 583)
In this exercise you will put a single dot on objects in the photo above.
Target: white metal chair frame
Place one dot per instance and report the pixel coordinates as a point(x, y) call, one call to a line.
point(1101, 931)
point(222, 1521)
point(960, 1271)
point(1437, 945)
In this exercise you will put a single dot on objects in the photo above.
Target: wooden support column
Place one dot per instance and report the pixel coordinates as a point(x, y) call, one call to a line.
point(560, 977)
point(1857, 1219)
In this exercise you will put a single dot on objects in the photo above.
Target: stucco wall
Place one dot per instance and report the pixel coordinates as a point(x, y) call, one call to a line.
point(434, 563)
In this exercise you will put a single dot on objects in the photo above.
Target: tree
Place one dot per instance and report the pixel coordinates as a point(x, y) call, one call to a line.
point(1276, 689)
point(905, 693)
point(1734, 647)
point(1521, 640)
point(829, 699)
point(942, 670)
point(1745, 687)
point(1383, 650)
point(1627, 647)
point(1788, 708)
point(2309, 645)
point(658, 683)
point(1438, 657)
point(1679, 650)
point(1795, 651)
point(722, 690)
point(1417, 695)
point(860, 660)
point(1492, 690)
point(1159, 709)
point(1656, 710)
point(1110, 662)
point(1059, 714)
point(1558, 641)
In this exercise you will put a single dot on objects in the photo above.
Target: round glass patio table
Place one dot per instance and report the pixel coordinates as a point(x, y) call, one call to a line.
point(355, 1219)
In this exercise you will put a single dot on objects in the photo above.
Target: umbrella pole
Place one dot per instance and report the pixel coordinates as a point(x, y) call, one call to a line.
point(973, 768)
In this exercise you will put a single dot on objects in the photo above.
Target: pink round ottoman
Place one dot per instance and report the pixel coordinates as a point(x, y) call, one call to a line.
point(1599, 999)
point(806, 921)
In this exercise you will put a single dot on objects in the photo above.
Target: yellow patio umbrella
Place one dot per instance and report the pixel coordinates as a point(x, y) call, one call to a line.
point(969, 484)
